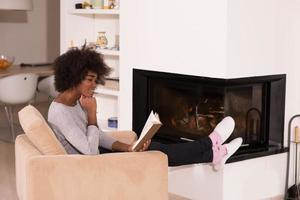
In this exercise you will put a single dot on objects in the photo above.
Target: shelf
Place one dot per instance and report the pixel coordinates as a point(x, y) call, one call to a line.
point(95, 11)
point(110, 88)
point(105, 91)
point(108, 52)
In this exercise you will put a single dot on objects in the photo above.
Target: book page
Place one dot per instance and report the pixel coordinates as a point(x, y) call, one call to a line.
point(150, 128)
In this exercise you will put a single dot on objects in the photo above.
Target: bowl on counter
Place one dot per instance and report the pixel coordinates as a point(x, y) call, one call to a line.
point(6, 61)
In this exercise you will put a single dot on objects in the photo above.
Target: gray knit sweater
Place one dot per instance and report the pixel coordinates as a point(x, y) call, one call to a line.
point(70, 126)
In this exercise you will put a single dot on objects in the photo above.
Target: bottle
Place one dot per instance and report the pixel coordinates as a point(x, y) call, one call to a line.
point(106, 4)
point(102, 40)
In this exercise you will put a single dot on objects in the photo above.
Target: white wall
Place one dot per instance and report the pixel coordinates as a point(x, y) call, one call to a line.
point(217, 39)
point(263, 38)
point(31, 36)
point(187, 37)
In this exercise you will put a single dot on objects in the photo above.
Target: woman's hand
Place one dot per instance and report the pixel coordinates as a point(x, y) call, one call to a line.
point(144, 147)
point(88, 103)
point(122, 147)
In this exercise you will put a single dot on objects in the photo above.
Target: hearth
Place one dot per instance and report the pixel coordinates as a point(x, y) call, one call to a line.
point(191, 106)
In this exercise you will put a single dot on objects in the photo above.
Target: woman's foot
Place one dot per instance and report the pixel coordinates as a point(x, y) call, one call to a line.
point(231, 148)
point(222, 131)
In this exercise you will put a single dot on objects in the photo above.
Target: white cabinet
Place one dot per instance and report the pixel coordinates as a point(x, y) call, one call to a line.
point(78, 26)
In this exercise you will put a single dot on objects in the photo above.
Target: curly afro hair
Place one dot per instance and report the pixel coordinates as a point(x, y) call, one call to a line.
point(72, 67)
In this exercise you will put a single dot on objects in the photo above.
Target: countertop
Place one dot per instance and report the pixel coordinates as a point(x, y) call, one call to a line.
point(16, 69)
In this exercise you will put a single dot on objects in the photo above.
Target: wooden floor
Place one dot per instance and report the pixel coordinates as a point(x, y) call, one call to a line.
point(7, 159)
point(7, 171)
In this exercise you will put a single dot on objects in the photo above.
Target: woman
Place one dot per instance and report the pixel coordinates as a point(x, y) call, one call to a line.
point(72, 115)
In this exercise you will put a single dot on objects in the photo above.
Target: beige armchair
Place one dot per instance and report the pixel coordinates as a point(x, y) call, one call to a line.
point(45, 171)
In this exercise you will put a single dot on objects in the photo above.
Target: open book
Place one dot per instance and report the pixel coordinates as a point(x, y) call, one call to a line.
point(151, 127)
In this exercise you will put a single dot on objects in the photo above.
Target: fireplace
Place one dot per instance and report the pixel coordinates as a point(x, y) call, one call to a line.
point(191, 106)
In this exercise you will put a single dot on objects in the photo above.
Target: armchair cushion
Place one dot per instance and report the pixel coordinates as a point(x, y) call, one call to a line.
point(108, 176)
point(38, 131)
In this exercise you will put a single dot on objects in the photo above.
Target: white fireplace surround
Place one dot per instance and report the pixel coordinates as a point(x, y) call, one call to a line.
point(222, 39)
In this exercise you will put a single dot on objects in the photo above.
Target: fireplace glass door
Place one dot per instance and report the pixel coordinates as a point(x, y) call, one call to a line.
point(191, 111)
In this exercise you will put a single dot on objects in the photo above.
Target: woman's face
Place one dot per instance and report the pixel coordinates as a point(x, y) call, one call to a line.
point(88, 84)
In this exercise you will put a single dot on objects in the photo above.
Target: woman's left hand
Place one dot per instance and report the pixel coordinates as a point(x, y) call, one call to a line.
point(144, 147)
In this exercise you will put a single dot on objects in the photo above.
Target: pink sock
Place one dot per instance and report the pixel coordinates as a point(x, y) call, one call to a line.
point(218, 153)
point(215, 139)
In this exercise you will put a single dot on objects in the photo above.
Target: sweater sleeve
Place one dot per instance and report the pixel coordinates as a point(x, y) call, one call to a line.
point(84, 140)
point(106, 141)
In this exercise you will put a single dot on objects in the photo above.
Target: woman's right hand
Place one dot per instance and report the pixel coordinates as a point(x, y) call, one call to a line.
point(88, 103)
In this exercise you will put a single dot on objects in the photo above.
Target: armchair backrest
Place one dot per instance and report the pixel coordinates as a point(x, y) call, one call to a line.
point(24, 151)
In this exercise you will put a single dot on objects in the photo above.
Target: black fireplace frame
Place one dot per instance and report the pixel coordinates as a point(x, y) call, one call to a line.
point(141, 103)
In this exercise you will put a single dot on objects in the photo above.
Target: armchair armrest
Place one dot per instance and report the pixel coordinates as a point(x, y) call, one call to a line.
point(135, 175)
point(127, 137)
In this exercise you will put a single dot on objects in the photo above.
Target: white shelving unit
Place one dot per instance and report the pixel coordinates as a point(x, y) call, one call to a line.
point(80, 25)
point(107, 52)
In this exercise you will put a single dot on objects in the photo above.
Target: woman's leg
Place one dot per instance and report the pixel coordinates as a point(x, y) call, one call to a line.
point(208, 149)
point(199, 151)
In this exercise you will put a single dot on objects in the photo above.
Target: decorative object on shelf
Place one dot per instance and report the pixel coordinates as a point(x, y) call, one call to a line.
point(78, 6)
point(106, 4)
point(6, 61)
point(113, 122)
point(97, 4)
point(111, 4)
point(116, 4)
point(87, 5)
point(294, 191)
point(102, 40)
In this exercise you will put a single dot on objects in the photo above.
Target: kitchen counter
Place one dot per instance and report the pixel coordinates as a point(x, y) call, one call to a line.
point(16, 69)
